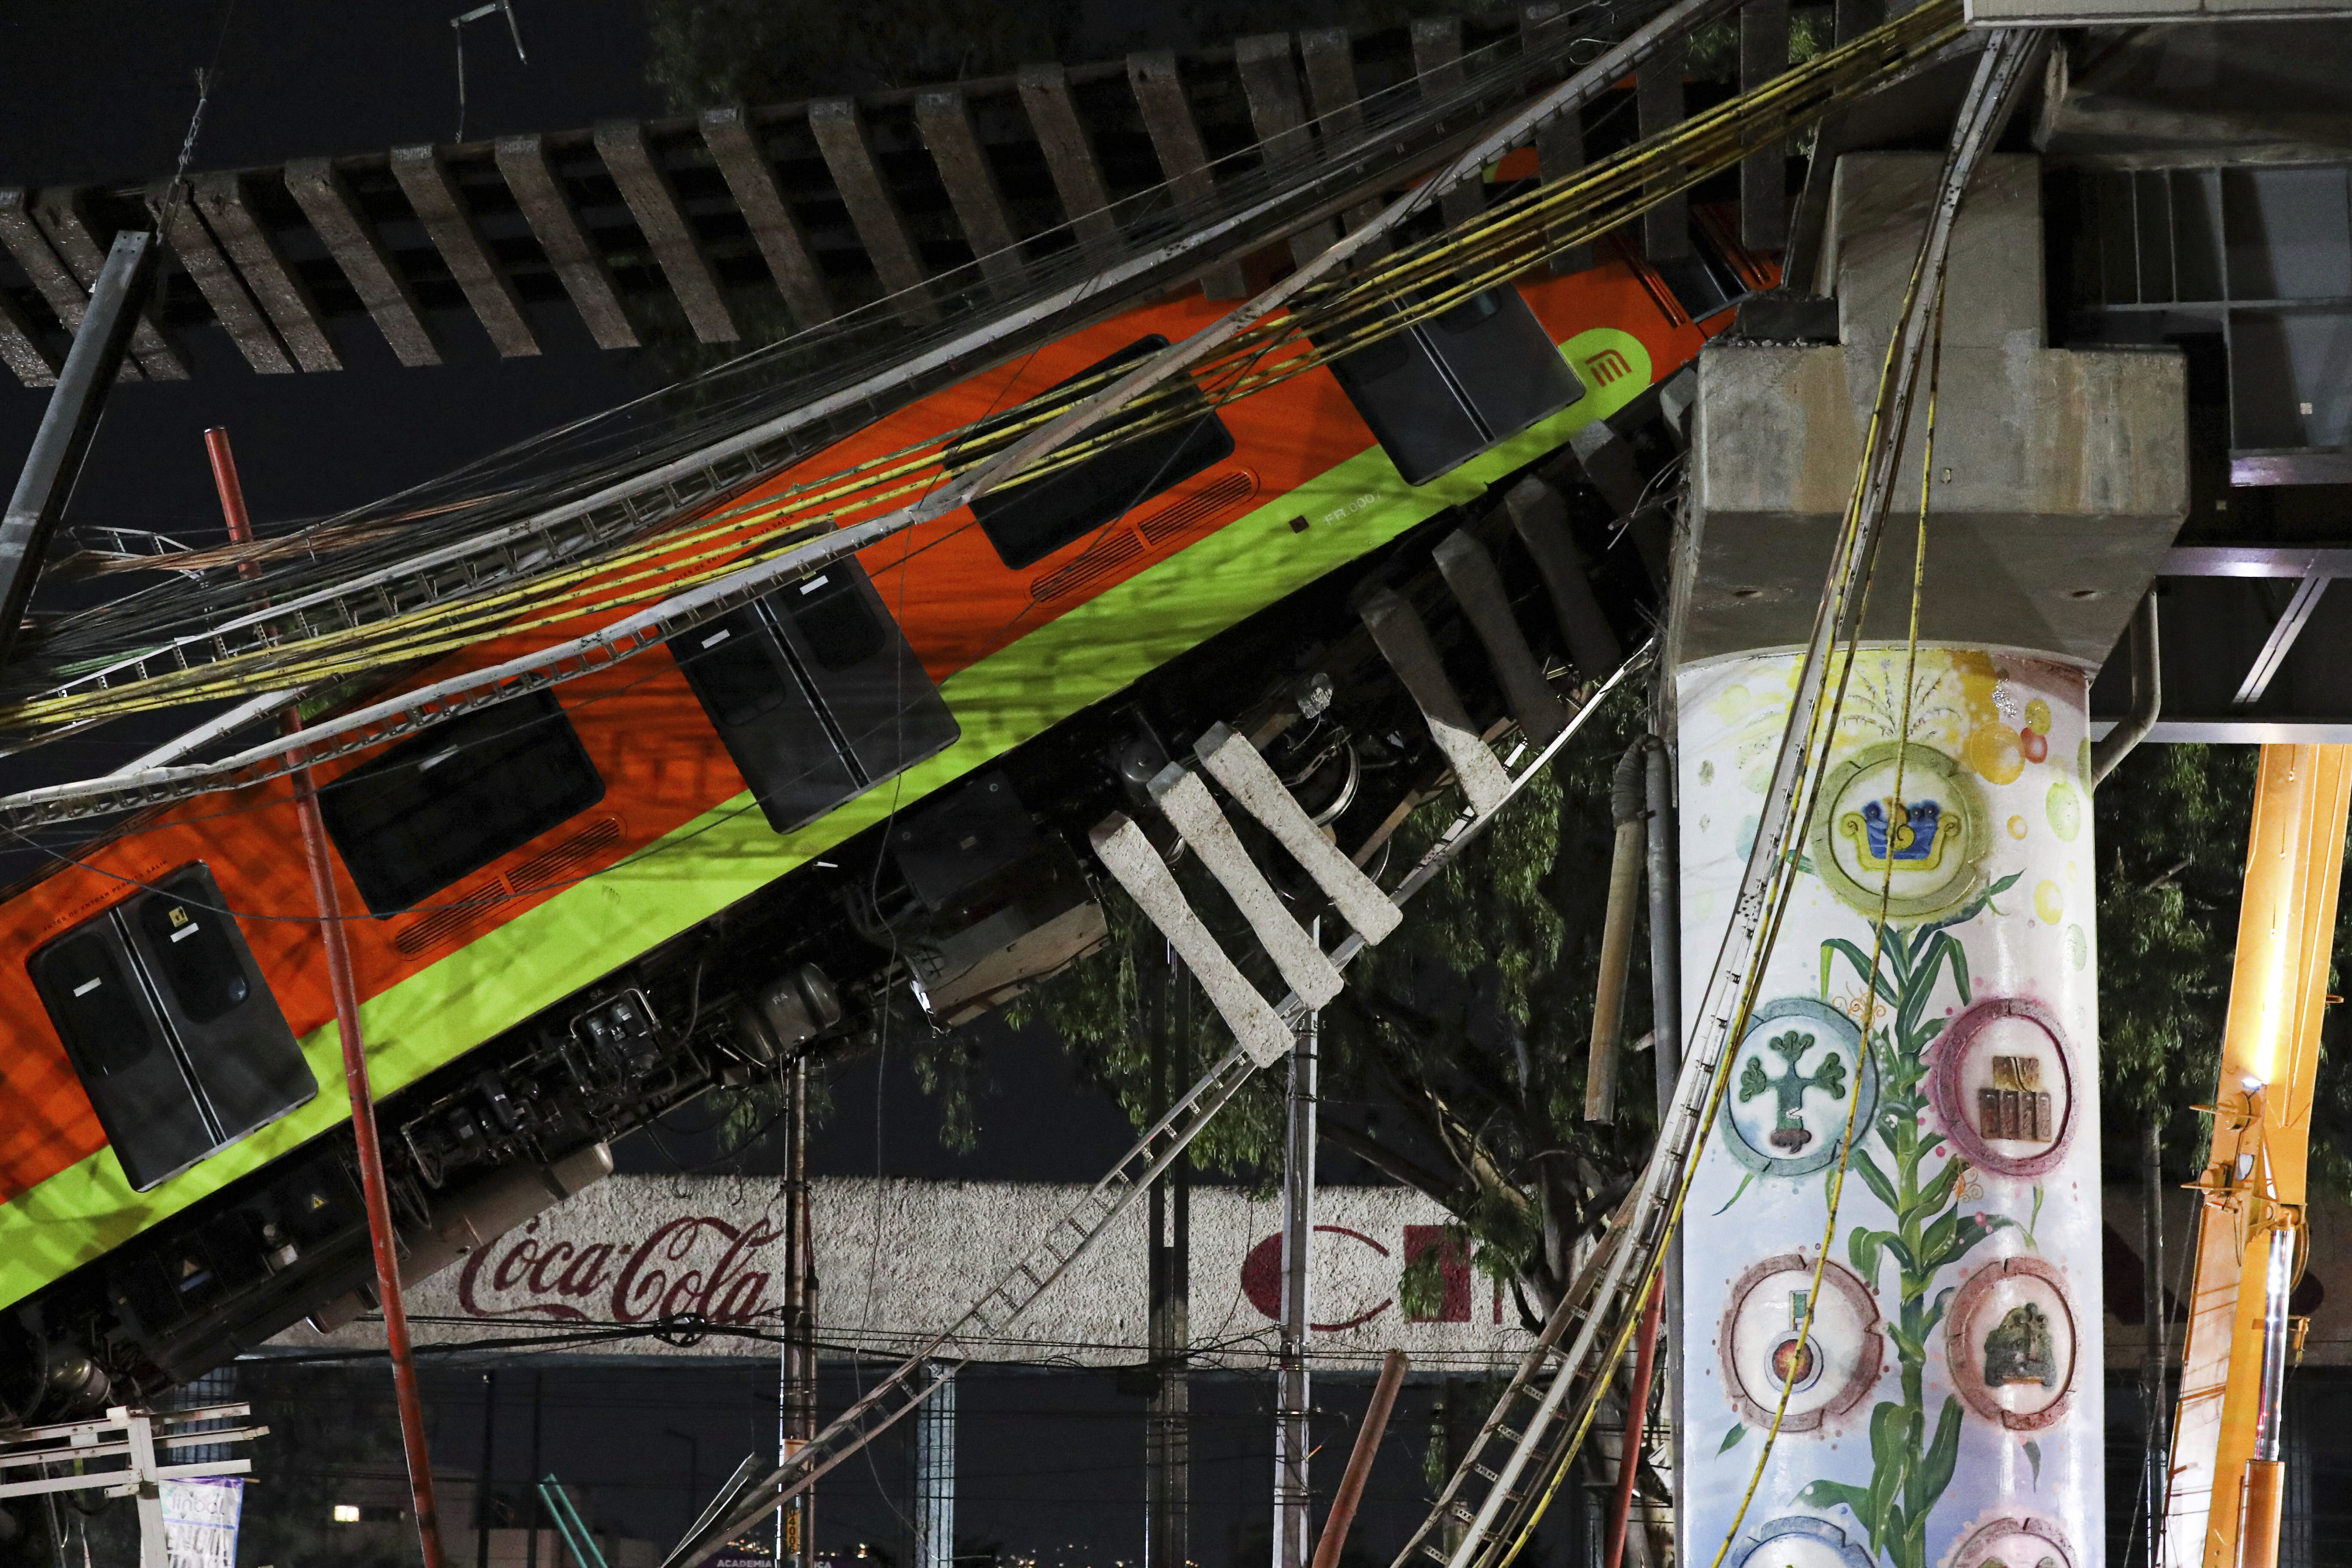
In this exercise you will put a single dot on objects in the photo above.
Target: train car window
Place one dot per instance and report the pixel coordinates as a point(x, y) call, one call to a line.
point(97, 1007)
point(1029, 522)
point(193, 956)
point(736, 667)
point(174, 1034)
point(843, 631)
point(1446, 389)
point(441, 806)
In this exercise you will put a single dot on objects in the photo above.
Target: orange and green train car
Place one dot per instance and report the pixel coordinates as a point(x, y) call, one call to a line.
point(585, 906)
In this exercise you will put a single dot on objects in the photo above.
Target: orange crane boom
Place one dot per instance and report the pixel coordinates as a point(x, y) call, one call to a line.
point(2223, 1506)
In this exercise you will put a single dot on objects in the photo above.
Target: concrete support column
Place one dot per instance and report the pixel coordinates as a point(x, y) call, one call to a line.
point(1926, 1020)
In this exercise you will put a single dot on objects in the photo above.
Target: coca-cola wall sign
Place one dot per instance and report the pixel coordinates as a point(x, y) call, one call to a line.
point(667, 1266)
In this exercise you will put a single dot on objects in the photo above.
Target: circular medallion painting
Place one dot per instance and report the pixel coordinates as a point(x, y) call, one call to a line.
point(1766, 1346)
point(2003, 1087)
point(2010, 1340)
point(2013, 1543)
point(1798, 1543)
point(1926, 850)
point(1796, 1075)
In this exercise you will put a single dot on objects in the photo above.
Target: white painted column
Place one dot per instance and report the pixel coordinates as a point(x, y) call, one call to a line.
point(1941, 1370)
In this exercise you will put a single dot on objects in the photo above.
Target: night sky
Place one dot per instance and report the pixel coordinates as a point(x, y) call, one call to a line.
point(101, 91)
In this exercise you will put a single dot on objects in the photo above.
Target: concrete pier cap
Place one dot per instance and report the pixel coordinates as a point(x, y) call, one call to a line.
point(1925, 1390)
point(2059, 476)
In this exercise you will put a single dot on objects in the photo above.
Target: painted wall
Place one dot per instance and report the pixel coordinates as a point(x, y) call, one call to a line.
point(898, 1261)
point(1944, 1411)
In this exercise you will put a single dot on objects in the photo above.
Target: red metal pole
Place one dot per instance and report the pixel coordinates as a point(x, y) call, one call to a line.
point(355, 1079)
point(1334, 1539)
point(1637, 1416)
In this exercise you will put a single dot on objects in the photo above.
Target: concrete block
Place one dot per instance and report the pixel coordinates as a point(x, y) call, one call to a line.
point(60, 216)
point(945, 122)
point(1539, 517)
point(1185, 801)
point(19, 352)
point(1070, 151)
point(1128, 855)
point(441, 208)
point(48, 272)
point(622, 144)
point(840, 133)
point(277, 287)
point(1559, 146)
point(215, 278)
point(1404, 642)
point(1658, 107)
point(1470, 575)
point(1175, 134)
point(1330, 54)
point(579, 265)
point(1878, 205)
point(326, 199)
point(1233, 762)
point(735, 148)
point(1278, 116)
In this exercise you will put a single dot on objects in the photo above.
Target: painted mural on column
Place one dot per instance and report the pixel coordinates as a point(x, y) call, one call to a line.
point(1944, 1409)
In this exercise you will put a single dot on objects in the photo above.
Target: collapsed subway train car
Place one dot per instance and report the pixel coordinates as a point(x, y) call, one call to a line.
point(868, 791)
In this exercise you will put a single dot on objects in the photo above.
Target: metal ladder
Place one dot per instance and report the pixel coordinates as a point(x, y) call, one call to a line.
point(1498, 1491)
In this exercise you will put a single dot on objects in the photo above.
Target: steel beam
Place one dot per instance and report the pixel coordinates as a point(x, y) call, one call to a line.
point(216, 279)
point(735, 149)
point(655, 205)
point(325, 197)
point(579, 265)
point(60, 216)
point(944, 120)
point(1069, 151)
point(441, 208)
point(2289, 626)
point(277, 287)
point(66, 427)
point(840, 131)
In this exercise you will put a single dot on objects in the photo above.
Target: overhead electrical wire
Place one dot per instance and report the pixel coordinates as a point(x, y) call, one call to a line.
point(663, 454)
point(1416, 283)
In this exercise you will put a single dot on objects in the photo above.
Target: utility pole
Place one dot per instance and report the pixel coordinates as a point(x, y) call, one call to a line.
point(796, 1393)
point(2156, 1458)
point(70, 423)
point(935, 1470)
point(1294, 1497)
point(374, 1188)
point(1167, 1432)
